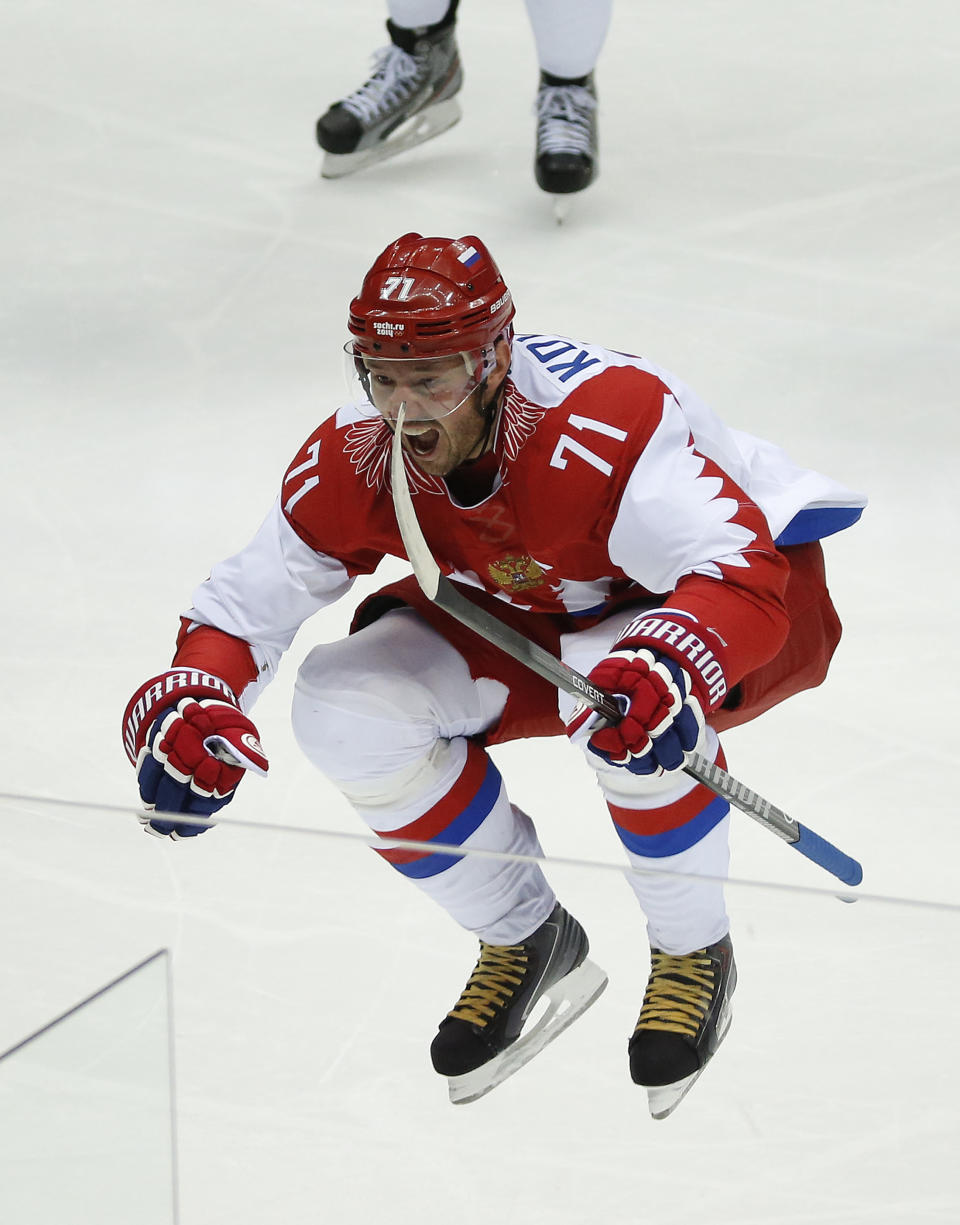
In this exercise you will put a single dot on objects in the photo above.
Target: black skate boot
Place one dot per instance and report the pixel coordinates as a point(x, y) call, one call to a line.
point(480, 1042)
point(566, 157)
point(408, 99)
point(685, 1016)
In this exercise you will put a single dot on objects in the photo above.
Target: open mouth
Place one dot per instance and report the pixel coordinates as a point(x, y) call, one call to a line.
point(423, 443)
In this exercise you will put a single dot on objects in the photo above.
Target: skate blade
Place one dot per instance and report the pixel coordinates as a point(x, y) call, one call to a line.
point(414, 131)
point(561, 208)
point(568, 998)
point(662, 1100)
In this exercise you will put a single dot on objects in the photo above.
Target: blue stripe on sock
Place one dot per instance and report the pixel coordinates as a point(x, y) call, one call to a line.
point(673, 841)
point(459, 829)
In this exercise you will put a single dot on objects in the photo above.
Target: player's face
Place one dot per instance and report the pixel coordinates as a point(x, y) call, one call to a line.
point(444, 424)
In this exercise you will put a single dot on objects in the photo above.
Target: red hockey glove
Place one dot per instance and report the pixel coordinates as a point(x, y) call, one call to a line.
point(668, 677)
point(190, 743)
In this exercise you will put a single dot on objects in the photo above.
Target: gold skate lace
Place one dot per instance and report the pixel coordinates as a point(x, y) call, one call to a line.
point(678, 993)
point(496, 976)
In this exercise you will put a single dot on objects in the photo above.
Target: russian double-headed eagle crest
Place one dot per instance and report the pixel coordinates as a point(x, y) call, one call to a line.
point(516, 572)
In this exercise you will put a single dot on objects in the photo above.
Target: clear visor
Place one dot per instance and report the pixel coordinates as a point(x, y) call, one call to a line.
point(430, 387)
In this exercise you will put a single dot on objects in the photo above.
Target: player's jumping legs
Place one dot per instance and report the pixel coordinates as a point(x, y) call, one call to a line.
point(388, 715)
point(675, 832)
point(672, 826)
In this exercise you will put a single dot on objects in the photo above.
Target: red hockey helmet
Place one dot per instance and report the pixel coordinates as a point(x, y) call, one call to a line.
point(429, 297)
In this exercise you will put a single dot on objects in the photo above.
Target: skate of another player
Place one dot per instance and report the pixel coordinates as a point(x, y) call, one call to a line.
point(414, 131)
point(409, 98)
point(565, 161)
point(410, 95)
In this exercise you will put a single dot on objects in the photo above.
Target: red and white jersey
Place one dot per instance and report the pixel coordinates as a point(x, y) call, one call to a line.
point(614, 482)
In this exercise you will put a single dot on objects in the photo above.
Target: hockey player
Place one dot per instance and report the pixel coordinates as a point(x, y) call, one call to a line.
point(411, 95)
point(591, 501)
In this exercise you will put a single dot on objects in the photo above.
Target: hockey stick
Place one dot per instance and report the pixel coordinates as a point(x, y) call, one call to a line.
point(444, 594)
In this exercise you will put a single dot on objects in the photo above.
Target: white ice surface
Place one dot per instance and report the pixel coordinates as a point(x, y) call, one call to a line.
point(776, 220)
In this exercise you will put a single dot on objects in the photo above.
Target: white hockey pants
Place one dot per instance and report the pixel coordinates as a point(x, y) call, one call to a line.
point(388, 715)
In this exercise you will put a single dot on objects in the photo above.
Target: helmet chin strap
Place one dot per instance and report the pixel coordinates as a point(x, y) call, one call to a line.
point(490, 414)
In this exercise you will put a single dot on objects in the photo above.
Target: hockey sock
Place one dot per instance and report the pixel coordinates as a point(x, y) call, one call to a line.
point(406, 24)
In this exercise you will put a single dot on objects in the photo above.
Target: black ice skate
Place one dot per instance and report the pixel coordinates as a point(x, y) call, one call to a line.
point(408, 99)
point(566, 156)
point(482, 1040)
point(685, 1016)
